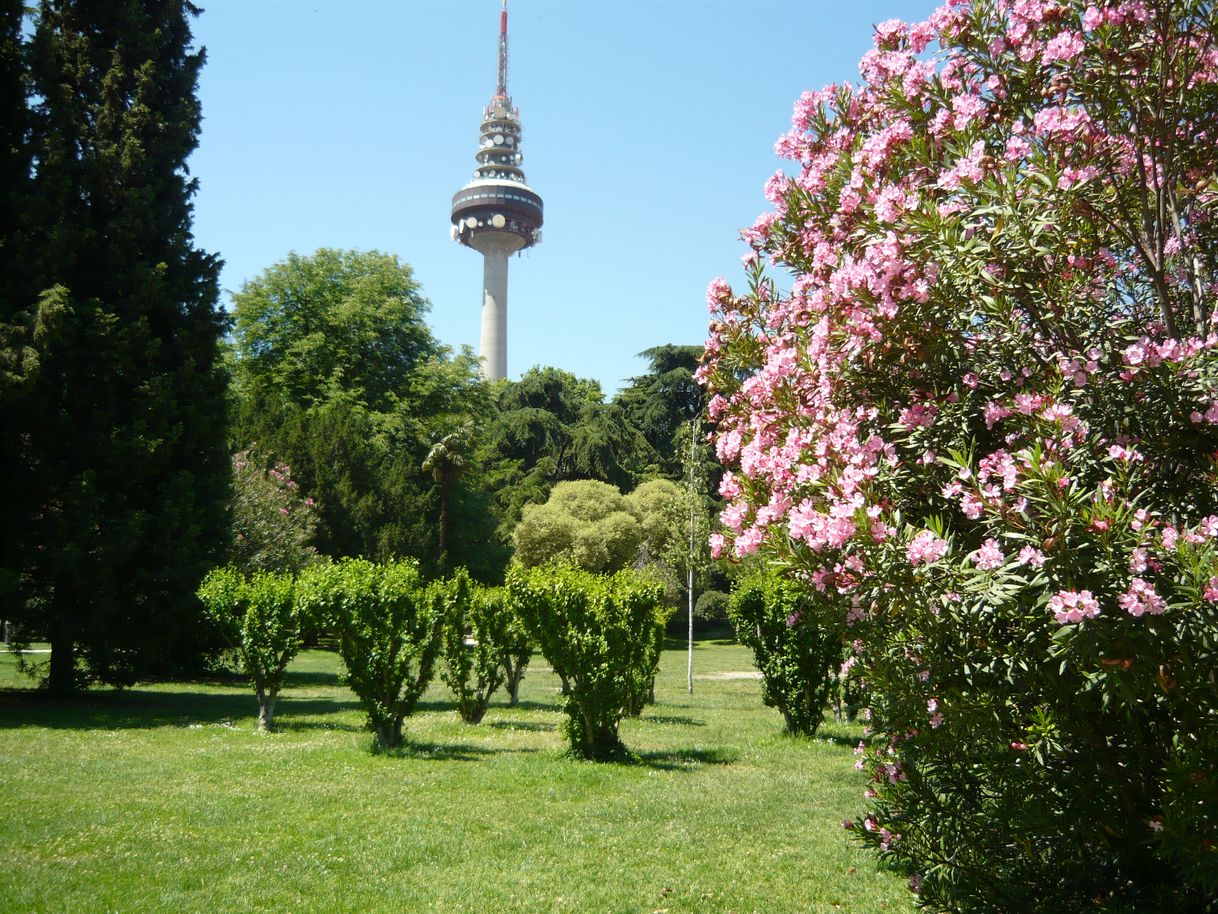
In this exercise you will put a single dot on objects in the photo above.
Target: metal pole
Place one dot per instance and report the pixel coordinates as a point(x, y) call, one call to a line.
point(690, 588)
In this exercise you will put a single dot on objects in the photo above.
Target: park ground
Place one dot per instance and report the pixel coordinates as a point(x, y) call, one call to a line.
point(165, 798)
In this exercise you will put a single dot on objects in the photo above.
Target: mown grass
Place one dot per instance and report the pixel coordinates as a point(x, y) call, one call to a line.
point(165, 798)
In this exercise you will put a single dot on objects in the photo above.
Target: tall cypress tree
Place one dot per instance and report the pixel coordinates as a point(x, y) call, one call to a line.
point(124, 455)
point(17, 357)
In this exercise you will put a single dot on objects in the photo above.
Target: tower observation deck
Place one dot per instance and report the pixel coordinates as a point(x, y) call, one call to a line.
point(497, 213)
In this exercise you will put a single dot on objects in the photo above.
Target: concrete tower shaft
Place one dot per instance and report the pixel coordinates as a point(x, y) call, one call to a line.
point(497, 213)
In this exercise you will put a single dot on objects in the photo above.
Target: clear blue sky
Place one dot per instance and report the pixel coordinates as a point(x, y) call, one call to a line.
point(649, 128)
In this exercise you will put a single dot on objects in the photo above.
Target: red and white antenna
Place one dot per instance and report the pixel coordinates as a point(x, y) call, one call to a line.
point(503, 52)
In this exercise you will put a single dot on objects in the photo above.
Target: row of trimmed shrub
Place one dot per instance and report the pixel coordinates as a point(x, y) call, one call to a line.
point(601, 634)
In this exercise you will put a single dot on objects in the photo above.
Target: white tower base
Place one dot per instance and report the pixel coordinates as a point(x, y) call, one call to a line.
point(495, 248)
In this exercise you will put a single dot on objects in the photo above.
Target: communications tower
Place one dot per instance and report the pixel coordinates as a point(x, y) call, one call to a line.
point(497, 214)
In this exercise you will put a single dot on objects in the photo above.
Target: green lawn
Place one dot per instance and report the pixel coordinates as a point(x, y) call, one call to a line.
point(165, 798)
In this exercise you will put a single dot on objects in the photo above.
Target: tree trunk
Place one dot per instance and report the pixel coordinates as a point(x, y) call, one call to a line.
point(473, 711)
point(388, 733)
point(444, 523)
point(266, 709)
point(62, 677)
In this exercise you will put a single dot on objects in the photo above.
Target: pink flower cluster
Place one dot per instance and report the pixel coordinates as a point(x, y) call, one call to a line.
point(1073, 606)
point(1141, 598)
point(989, 556)
point(926, 548)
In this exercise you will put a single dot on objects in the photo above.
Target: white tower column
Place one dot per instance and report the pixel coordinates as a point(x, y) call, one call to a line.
point(497, 213)
point(494, 313)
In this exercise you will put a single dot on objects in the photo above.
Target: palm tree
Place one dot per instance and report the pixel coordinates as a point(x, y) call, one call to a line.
point(446, 462)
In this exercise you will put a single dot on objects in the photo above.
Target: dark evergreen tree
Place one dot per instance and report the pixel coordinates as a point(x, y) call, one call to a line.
point(550, 427)
point(663, 401)
point(16, 352)
point(123, 464)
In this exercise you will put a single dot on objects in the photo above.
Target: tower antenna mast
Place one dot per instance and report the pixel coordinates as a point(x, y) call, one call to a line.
point(497, 214)
point(503, 51)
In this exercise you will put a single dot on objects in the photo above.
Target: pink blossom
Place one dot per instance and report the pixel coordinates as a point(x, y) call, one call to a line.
point(1141, 598)
point(1073, 606)
point(1031, 556)
point(748, 542)
point(925, 548)
point(995, 413)
point(989, 556)
point(718, 293)
point(890, 33)
point(919, 415)
point(1064, 46)
point(965, 109)
point(1124, 454)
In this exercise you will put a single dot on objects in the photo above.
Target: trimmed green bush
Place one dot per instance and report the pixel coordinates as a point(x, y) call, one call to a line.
point(515, 648)
point(388, 629)
point(642, 678)
point(797, 656)
point(598, 633)
point(471, 667)
point(261, 620)
point(712, 606)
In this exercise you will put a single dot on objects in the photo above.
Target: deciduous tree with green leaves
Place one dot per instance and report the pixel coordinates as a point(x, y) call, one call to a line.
point(512, 638)
point(586, 523)
point(796, 653)
point(337, 375)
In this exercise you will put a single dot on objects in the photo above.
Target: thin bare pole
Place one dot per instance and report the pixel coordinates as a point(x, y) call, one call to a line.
point(690, 587)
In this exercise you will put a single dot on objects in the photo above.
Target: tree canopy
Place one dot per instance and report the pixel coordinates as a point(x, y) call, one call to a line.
point(339, 377)
point(347, 321)
point(590, 524)
point(660, 402)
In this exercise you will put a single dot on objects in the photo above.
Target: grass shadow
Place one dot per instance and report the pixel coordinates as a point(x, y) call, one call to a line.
point(684, 759)
point(137, 709)
point(456, 752)
point(835, 732)
point(527, 705)
point(671, 719)
point(300, 678)
point(284, 724)
point(521, 725)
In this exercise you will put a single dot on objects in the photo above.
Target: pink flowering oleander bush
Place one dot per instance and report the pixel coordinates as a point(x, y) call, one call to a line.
point(978, 421)
point(273, 524)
